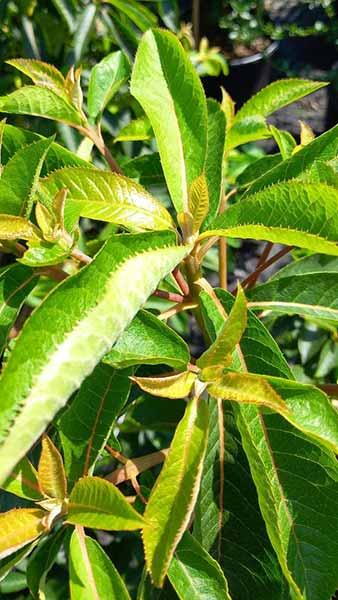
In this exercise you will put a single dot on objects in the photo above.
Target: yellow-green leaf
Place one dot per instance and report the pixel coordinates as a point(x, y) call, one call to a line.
point(17, 228)
point(198, 201)
point(41, 73)
point(173, 497)
point(97, 503)
point(18, 527)
point(171, 386)
point(219, 353)
point(248, 388)
point(106, 196)
point(51, 473)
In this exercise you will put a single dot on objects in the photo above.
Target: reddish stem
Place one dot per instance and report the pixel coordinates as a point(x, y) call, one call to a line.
point(181, 282)
point(169, 296)
point(254, 276)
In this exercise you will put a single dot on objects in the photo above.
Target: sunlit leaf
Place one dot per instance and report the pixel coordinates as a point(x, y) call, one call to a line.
point(79, 327)
point(174, 495)
point(165, 83)
point(97, 503)
point(19, 527)
point(51, 474)
point(171, 386)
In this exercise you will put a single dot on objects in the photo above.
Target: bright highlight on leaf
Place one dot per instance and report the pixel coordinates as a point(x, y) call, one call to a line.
point(104, 196)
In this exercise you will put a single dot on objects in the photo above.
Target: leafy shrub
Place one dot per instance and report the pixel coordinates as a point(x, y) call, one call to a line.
point(245, 503)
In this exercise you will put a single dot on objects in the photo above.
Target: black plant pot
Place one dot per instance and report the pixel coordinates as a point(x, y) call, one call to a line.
point(247, 76)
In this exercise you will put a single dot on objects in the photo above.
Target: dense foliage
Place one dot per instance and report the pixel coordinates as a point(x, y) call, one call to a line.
point(245, 504)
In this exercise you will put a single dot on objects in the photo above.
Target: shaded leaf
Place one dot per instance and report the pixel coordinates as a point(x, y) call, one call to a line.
point(165, 83)
point(16, 282)
point(101, 398)
point(106, 77)
point(96, 503)
point(42, 561)
point(293, 477)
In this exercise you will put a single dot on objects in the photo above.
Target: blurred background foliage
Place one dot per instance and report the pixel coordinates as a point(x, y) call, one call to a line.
point(241, 45)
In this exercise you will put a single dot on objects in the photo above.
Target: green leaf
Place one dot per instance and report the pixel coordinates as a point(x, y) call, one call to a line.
point(148, 341)
point(214, 158)
point(140, 15)
point(194, 574)
point(101, 398)
point(16, 282)
point(79, 327)
point(16, 193)
point(308, 287)
point(295, 479)
point(23, 481)
point(12, 560)
point(229, 524)
point(41, 253)
point(51, 473)
point(42, 561)
point(250, 124)
point(258, 168)
point(57, 156)
point(174, 386)
point(105, 80)
point(40, 102)
point(137, 130)
point(174, 495)
point(219, 353)
point(106, 196)
point(97, 503)
point(324, 147)
point(284, 140)
point(42, 74)
point(165, 83)
point(19, 527)
point(92, 574)
point(288, 213)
